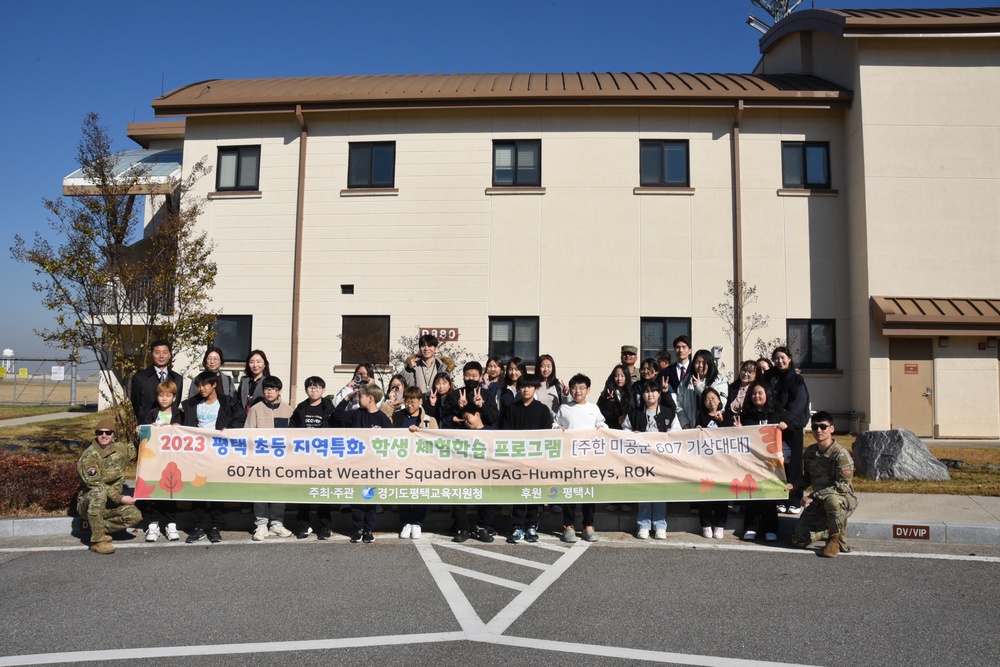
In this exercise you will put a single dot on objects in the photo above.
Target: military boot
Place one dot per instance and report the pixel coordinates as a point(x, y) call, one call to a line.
point(102, 548)
point(832, 548)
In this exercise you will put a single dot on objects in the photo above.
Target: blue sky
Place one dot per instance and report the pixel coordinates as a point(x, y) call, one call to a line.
point(62, 60)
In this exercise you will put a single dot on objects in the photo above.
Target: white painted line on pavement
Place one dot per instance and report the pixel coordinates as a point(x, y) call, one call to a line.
point(526, 598)
point(487, 578)
point(891, 554)
point(635, 654)
point(551, 547)
point(466, 616)
point(485, 553)
point(228, 649)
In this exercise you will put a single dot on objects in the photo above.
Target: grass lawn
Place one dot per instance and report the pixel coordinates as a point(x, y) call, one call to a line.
point(18, 411)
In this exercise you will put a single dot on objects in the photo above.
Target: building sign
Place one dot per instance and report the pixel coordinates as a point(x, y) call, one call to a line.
point(22, 373)
point(900, 532)
point(3, 372)
point(58, 373)
point(442, 334)
point(911, 369)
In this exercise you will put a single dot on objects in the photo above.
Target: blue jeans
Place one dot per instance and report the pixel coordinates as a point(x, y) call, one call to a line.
point(655, 513)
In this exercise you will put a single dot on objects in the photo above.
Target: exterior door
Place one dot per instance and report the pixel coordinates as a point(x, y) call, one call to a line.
point(911, 372)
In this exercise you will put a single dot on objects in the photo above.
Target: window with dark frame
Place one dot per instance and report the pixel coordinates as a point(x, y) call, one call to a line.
point(239, 168)
point(664, 163)
point(364, 339)
point(234, 336)
point(805, 164)
point(514, 337)
point(658, 333)
point(813, 343)
point(517, 163)
point(371, 164)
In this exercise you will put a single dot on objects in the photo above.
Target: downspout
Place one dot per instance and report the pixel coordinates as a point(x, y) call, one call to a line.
point(297, 261)
point(737, 244)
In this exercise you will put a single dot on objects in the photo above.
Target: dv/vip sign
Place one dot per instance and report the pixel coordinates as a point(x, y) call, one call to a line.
point(459, 467)
point(900, 532)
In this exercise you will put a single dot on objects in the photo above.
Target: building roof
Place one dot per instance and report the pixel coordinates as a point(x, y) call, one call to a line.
point(952, 22)
point(145, 133)
point(936, 316)
point(162, 168)
point(331, 93)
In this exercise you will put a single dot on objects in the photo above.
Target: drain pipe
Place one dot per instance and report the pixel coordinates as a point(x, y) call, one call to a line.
point(293, 380)
point(737, 244)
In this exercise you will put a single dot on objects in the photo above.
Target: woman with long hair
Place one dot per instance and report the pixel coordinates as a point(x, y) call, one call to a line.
point(251, 388)
point(703, 373)
point(762, 409)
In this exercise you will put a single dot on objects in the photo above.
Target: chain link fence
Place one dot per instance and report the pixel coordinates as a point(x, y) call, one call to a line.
point(48, 381)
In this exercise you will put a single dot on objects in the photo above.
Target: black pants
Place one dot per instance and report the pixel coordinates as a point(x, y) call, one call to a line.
point(364, 517)
point(213, 518)
point(159, 511)
point(322, 513)
point(714, 514)
point(569, 514)
point(412, 514)
point(521, 515)
point(761, 516)
point(484, 516)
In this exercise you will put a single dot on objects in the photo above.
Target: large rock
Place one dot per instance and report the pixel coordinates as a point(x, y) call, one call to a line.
point(896, 454)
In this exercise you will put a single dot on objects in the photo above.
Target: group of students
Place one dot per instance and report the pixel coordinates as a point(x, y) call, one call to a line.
point(657, 395)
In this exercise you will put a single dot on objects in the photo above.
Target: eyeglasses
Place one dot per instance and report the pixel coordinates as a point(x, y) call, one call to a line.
point(821, 427)
point(104, 432)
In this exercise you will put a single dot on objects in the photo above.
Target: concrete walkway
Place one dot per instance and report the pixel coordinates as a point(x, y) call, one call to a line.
point(52, 416)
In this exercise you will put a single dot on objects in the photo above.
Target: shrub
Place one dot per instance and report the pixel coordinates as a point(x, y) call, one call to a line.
point(33, 480)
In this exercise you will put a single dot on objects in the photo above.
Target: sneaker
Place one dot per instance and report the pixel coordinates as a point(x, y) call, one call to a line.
point(213, 535)
point(462, 536)
point(589, 535)
point(771, 537)
point(367, 537)
point(569, 535)
point(356, 536)
point(195, 535)
point(172, 534)
point(719, 532)
point(516, 535)
point(153, 532)
point(706, 532)
point(324, 533)
point(278, 530)
point(782, 509)
point(531, 534)
point(794, 509)
point(660, 534)
point(404, 534)
point(643, 534)
point(750, 535)
point(260, 533)
point(303, 532)
point(415, 532)
point(484, 535)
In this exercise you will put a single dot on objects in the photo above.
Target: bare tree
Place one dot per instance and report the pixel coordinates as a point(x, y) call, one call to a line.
point(739, 322)
point(111, 288)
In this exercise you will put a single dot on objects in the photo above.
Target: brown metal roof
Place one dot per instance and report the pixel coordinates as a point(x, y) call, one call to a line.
point(936, 316)
point(220, 96)
point(144, 133)
point(980, 21)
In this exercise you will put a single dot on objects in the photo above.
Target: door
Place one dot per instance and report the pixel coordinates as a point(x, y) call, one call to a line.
point(911, 373)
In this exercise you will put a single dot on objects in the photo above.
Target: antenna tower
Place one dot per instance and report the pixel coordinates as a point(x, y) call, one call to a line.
point(775, 10)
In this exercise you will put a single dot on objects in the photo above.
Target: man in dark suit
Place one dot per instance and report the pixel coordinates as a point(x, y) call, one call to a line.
point(679, 369)
point(144, 383)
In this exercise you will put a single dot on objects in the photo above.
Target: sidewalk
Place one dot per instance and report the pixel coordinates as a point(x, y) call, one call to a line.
point(42, 418)
point(880, 516)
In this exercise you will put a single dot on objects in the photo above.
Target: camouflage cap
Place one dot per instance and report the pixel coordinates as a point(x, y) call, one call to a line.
point(630, 349)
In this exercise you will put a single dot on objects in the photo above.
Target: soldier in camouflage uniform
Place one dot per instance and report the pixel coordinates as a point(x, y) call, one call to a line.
point(829, 469)
point(101, 503)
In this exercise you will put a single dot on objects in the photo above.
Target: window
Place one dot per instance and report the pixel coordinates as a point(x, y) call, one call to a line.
point(813, 343)
point(239, 168)
point(233, 335)
point(805, 164)
point(663, 164)
point(514, 337)
point(517, 163)
point(365, 339)
point(658, 333)
point(371, 165)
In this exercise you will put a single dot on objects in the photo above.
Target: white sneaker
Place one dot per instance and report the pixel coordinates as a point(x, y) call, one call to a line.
point(706, 532)
point(260, 533)
point(153, 532)
point(771, 537)
point(415, 531)
point(406, 532)
point(750, 535)
point(660, 534)
point(172, 533)
point(719, 533)
point(794, 509)
point(278, 530)
point(782, 509)
point(643, 534)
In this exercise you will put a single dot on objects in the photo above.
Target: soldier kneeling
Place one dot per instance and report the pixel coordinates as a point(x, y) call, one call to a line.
point(101, 503)
point(829, 469)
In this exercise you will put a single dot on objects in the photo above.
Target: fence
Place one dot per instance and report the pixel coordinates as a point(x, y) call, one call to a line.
point(46, 381)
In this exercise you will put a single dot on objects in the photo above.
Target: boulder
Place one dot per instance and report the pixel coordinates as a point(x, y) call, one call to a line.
point(896, 454)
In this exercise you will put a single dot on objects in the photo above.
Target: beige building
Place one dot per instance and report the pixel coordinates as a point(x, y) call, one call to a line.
point(852, 178)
